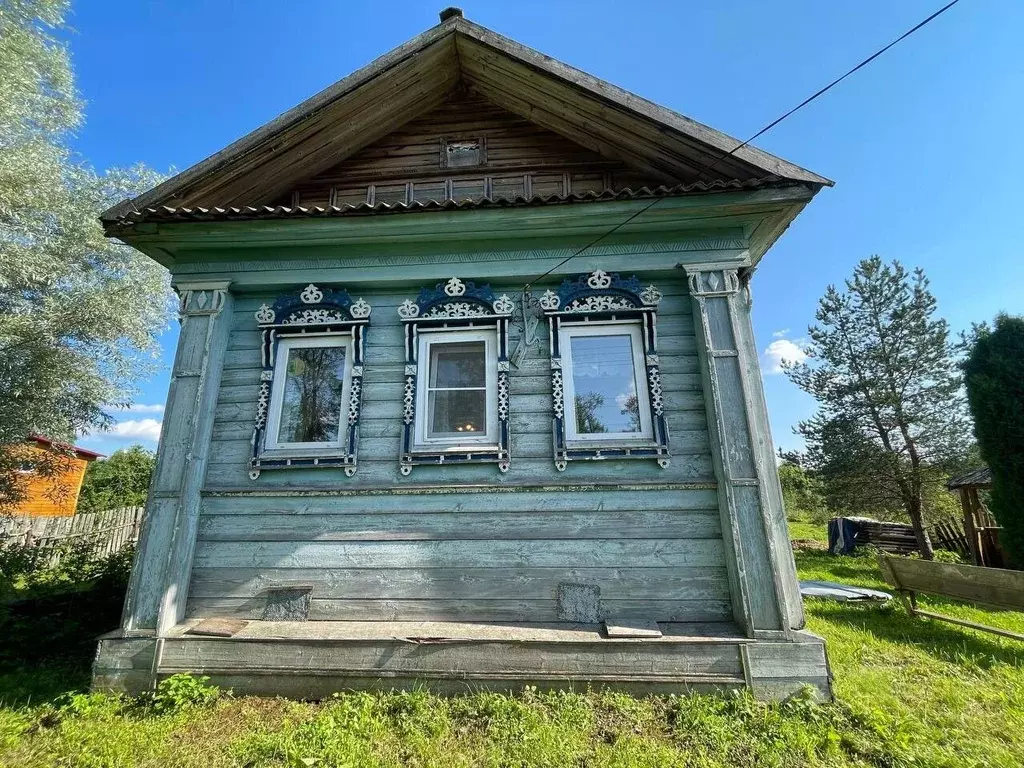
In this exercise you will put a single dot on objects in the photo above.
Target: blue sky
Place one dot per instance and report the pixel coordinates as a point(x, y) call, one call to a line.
point(922, 143)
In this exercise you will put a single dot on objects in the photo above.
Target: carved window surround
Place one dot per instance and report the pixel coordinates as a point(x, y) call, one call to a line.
point(308, 313)
point(606, 298)
point(454, 306)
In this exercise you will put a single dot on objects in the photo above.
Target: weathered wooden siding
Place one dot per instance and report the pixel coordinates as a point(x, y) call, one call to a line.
point(463, 542)
point(522, 159)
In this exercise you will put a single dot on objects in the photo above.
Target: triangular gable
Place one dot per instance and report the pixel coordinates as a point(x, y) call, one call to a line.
point(420, 75)
point(518, 159)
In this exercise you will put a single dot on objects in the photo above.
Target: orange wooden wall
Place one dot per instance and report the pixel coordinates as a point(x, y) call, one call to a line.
point(53, 496)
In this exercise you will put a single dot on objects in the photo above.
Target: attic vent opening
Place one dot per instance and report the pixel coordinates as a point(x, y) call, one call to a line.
point(462, 153)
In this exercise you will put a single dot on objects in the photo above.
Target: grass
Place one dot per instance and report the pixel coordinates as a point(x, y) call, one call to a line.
point(910, 692)
point(800, 530)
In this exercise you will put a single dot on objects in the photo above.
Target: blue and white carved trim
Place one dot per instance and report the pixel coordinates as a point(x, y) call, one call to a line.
point(601, 296)
point(599, 292)
point(455, 300)
point(455, 305)
point(325, 312)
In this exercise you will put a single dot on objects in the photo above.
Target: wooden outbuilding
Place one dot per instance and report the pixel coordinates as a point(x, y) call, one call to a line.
point(467, 394)
point(53, 493)
point(980, 528)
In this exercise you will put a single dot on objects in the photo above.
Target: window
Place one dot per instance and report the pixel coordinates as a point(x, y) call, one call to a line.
point(308, 400)
point(310, 395)
point(458, 400)
point(464, 153)
point(455, 403)
point(607, 399)
point(605, 385)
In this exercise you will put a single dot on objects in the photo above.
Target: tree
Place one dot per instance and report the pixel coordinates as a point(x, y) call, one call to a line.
point(587, 420)
point(802, 493)
point(631, 409)
point(995, 389)
point(891, 410)
point(79, 313)
point(119, 481)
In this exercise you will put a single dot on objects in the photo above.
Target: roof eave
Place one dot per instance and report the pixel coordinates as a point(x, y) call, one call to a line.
point(628, 100)
point(594, 87)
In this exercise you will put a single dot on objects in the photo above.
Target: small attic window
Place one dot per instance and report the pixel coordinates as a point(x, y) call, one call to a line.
point(462, 153)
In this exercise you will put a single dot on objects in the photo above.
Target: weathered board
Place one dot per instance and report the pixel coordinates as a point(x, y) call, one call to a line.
point(462, 542)
point(520, 159)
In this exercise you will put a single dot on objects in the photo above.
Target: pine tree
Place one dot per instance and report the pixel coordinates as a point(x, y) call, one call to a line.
point(995, 389)
point(891, 408)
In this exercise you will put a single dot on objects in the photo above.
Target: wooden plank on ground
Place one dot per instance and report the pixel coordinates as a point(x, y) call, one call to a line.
point(993, 586)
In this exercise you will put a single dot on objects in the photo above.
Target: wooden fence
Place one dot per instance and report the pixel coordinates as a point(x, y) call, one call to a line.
point(101, 533)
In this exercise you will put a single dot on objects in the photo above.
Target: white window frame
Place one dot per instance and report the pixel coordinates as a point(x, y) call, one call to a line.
point(426, 339)
point(630, 328)
point(284, 346)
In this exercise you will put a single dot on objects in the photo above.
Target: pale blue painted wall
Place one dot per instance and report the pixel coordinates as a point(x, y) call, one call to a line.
point(417, 548)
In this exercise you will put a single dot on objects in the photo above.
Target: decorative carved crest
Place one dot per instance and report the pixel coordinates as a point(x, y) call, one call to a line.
point(313, 306)
point(600, 292)
point(456, 299)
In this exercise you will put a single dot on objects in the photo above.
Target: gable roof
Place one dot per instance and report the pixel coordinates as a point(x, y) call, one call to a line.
point(82, 453)
point(419, 75)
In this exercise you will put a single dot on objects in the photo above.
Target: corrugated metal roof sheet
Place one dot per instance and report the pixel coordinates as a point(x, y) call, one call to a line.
point(167, 213)
point(980, 477)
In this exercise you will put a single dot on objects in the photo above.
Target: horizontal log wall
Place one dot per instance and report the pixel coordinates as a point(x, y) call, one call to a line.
point(462, 542)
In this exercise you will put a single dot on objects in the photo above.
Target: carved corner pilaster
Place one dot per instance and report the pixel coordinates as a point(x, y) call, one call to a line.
point(201, 298)
point(712, 280)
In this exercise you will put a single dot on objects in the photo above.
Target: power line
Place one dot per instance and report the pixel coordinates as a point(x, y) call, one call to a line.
point(761, 132)
point(836, 82)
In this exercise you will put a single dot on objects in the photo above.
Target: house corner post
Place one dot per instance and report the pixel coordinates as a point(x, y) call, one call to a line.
point(159, 583)
point(765, 590)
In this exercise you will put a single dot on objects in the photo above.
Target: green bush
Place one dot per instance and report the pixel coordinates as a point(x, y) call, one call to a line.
point(120, 481)
point(802, 494)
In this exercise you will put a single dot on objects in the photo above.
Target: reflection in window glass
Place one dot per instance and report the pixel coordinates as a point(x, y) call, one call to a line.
point(604, 381)
point(311, 408)
point(456, 390)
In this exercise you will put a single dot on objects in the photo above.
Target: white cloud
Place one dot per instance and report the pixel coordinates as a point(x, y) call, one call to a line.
point(781, 334)
point(782, 350)
point(143, 408)
point(136, 429)
point(138, 408)
point(623, 397)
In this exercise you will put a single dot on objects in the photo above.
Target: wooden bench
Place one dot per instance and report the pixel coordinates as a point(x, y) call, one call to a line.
point(991, 586)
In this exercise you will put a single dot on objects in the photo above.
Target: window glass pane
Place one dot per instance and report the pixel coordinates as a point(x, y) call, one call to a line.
point(457, 412)
point(604, 381)
point(311, 408)
point(458, 364)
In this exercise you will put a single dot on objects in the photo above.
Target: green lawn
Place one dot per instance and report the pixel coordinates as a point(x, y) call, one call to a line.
point(910, 693)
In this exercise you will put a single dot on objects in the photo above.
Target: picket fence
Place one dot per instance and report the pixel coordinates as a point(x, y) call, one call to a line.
point(50, 538)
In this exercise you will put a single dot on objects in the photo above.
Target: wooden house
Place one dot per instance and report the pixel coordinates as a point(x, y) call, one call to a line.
point(466, 394)
point(55, 493)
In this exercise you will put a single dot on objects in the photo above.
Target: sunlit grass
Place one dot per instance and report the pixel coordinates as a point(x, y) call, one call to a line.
point(910, 692)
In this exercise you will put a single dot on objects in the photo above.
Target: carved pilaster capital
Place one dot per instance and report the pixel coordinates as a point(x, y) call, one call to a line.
point(710, 280)
point(206, 298)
